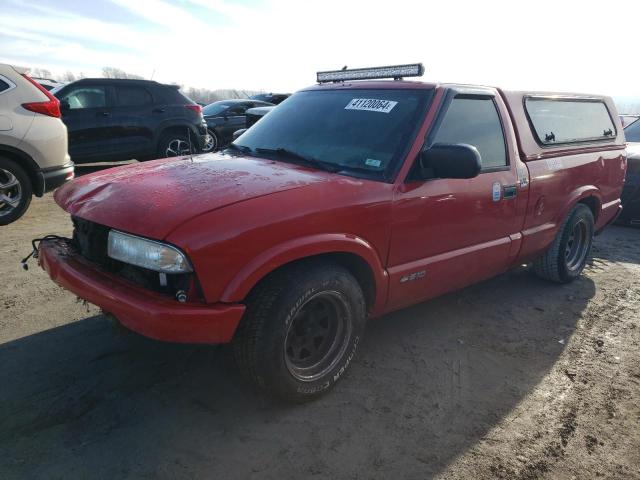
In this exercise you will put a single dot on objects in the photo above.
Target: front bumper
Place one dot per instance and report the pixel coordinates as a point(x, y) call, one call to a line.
point(145, 312)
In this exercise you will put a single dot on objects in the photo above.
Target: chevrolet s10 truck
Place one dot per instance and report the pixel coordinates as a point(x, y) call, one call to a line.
point(355, 197)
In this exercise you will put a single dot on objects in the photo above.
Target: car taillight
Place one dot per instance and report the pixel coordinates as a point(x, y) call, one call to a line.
point(195, 108)
point(51, 107)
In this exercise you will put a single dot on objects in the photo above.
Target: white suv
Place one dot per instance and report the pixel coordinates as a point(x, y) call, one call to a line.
point(33, 143)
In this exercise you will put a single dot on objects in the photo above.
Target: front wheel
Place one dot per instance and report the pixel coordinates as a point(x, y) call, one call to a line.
point(567, 256)
point(301, 330)
point(211, 142)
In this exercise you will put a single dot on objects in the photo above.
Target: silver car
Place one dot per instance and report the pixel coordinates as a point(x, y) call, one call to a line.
point(33, 143)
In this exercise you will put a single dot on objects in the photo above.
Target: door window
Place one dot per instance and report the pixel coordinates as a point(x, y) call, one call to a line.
point(475, 121)
point(237, 110)
point(132, 97)
point(85, 97)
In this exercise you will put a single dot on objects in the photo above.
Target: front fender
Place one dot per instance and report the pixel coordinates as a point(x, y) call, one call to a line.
point(305, 247)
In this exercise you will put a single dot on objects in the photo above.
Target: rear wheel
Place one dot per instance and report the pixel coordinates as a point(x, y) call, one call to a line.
point(301, 330)
point(565, 259)
point(15, 191)
point(174, 145)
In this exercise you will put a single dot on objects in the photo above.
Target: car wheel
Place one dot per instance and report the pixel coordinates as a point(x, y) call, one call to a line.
point(301, 330)
point(174, 145)
point(567, 256)
point(15, 191)
point(212, 144)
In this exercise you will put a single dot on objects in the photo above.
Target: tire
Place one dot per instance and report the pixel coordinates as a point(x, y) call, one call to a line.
point(214, 144)
point(15, 191)
point(275, 346)
point(565, 259)
point(175, 145)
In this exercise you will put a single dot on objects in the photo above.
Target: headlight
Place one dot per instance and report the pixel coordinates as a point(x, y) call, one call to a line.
point(146, 253)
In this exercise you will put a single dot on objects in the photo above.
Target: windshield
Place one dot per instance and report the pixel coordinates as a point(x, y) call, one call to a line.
point(632, 132)
point(55, 90)
point(359, 132)
point(215, 108)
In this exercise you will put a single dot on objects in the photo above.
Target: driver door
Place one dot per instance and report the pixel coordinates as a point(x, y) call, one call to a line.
point(449, 233)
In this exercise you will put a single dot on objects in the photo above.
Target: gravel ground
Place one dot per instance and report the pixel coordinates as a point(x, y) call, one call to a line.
point(511, 378)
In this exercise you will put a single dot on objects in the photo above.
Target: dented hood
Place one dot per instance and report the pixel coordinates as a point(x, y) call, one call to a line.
point(153, 198)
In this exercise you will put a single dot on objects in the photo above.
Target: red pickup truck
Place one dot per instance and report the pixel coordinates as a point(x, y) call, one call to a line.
point(349, 200)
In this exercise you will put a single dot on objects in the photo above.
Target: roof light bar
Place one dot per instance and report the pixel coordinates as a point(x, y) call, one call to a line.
point(393, 71)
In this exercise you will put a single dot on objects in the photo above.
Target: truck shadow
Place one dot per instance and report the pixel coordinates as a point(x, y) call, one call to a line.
point(83, 401)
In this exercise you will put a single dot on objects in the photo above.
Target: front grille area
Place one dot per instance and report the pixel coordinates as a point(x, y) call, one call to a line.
point(90, 240)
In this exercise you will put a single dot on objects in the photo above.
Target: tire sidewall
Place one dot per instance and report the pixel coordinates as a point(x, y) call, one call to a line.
point(26, 189)
point(166, 140)
point(274, 370)
point(216, 143)
point(581, 212)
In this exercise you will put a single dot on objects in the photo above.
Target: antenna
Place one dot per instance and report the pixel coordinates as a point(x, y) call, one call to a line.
point(190, 146)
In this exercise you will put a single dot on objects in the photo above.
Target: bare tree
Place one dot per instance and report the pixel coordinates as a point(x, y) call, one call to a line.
point(40, 73)
point(66, 77)
point(112, 72)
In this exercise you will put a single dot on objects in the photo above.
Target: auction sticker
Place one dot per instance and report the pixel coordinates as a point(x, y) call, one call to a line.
point(371, 105)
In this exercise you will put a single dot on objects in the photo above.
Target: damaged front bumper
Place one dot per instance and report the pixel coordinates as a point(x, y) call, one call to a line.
point(146, 312)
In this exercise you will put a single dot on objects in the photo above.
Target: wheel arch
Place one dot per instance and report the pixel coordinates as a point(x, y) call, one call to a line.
point(588, 195)
point(29, 164)
point(165, 129)
point(353, 253)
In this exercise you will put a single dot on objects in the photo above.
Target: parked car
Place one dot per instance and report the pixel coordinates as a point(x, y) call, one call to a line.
point(225, 117)
point(33, 143)
point(274, 98)
point(48, 83)
point(252, 116)
point(628, 119)
point(631, 193)
point(121, 119)
point(348, 201)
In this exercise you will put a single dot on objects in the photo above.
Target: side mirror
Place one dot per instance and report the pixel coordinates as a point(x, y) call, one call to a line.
point(451, 160)
point(237, 133)
point(64, 105)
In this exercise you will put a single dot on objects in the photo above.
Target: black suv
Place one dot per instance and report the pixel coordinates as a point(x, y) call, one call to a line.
point(113, 119)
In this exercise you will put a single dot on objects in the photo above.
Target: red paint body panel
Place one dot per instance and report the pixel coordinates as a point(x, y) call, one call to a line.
point(153, 198)
point(145, 312)
point(239, 218)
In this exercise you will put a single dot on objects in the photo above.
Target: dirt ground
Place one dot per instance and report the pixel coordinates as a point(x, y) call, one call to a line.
point(511, 378)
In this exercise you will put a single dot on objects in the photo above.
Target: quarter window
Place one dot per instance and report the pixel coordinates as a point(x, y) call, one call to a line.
point(475, 121)
point(558, 121)
point(85, 97)
point(133, 97)
point(3, 85)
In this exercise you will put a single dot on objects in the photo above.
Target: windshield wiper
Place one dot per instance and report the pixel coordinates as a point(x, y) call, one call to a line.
point(299, 158)
point(240, 148)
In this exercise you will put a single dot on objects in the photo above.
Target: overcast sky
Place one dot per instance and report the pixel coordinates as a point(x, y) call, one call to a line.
point(278, 45)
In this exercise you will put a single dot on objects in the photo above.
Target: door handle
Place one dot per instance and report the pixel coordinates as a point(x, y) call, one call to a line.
point(159, 110)
point(104, 114)
point(509, 191)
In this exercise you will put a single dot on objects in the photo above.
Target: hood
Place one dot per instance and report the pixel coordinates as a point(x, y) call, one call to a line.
point(153, 198)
